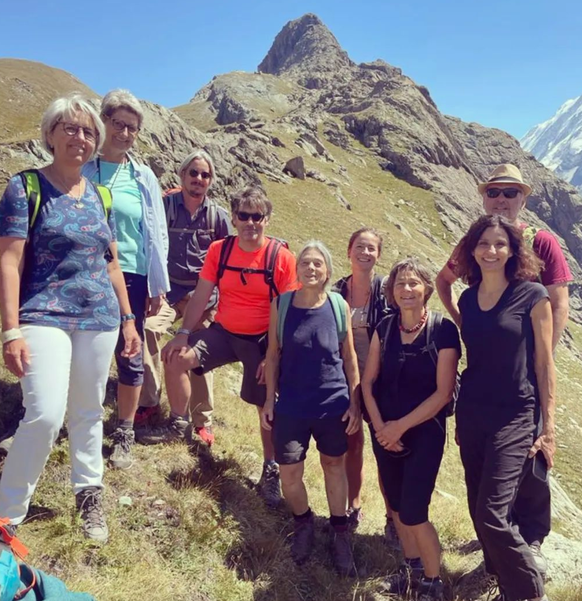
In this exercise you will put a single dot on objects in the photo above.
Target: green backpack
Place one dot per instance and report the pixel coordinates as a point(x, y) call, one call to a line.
point(31, 185)
point(338, 305)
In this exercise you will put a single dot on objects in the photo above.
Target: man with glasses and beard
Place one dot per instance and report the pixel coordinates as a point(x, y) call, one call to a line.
point(249, 270)
point(194, 222)
point(505, 193)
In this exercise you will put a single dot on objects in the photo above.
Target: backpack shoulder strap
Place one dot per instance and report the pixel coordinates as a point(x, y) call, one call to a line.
point(225, 251)
point(273, 248)
point(170, 205)
point(31, 185)
point(389, 325)
point(283, 302)
point(106, 198)
point(529, 234)
point(435, 319)
point(212, 216)
point(338, 304)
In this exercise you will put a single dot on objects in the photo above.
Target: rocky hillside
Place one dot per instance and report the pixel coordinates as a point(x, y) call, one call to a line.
point(557, 142)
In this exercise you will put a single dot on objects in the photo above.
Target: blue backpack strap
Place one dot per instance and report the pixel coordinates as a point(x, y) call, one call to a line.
point(283, 302)
point(338, 304)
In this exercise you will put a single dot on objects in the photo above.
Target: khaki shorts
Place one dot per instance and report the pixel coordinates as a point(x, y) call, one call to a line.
point(215, 347)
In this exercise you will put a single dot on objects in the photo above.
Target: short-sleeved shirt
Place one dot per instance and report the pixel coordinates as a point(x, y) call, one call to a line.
point(500, 374)
point(547, 248)
point(245, 308)
point(190, 238)
point(65, 283)
point(312, 383)
point(408, 375)
point(128, 205)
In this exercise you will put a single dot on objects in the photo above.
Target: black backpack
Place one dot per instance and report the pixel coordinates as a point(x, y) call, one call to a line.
point(273, 247)
point(435, 319)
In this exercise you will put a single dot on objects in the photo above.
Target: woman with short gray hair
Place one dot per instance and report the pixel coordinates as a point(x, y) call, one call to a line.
point(61, 295)
point(312, 371)
point(143, 247)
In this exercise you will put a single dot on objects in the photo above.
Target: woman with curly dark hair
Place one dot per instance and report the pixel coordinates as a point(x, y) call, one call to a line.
point(506, 390)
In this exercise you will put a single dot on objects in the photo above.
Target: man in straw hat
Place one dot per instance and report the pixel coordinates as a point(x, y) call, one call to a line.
point(505, 193)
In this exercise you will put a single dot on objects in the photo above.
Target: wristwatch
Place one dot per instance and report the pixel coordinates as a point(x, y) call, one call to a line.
point(183, 331)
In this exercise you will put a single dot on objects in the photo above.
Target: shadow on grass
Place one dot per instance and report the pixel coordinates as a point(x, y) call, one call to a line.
point(261, 554)
point(11, 409)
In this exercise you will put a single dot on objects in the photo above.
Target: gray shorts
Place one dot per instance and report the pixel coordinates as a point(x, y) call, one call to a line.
point(215, 347)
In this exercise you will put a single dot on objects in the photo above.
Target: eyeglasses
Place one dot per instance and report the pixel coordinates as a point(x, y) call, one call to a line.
point(244, 216)
point(119, 125)
point(203, 174)
point(507, 192)
point(72, 129)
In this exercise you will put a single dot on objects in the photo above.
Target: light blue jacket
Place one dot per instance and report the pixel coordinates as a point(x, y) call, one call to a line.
point(155, 229)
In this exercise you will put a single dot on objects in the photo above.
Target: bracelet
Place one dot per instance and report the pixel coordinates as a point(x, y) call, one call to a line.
point(10, 335)
point(183, 331)
point(127, 317)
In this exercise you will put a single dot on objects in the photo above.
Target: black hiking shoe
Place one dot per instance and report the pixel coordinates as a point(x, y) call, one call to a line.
point(90, 506)
point(430, 590)
point(121, 457)
point(342, 555)
point(303, 538)
point(404, 581)
point(269, 485)
point(174, 430)
point(540, 561)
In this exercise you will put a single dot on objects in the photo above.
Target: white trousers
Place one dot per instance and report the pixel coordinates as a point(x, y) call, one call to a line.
point(68, 372)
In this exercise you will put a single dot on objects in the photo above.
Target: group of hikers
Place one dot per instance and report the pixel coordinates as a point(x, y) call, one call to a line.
point(95, 262)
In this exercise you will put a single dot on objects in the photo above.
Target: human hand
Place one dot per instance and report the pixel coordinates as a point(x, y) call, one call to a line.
point(153, 305)
point(132, 340)
point(354, 418)
point(267, 414)
point(16, 356)
point(177, 346)
point(546, 443)
point(390, 433)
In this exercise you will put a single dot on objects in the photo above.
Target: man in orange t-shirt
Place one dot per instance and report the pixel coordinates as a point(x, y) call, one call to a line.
point(241, 322)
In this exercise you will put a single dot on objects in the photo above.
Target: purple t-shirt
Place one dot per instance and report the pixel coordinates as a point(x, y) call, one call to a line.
point(65, 283)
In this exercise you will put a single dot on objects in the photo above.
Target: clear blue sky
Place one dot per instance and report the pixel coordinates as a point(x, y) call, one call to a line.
point(507, 64)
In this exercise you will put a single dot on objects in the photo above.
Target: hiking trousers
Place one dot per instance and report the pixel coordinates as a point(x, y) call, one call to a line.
point(68, 372)
point(494, 451)
point(156, 327)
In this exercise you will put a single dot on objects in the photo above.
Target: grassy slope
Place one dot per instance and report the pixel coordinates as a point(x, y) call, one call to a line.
point(196, 530)
point(31, 85)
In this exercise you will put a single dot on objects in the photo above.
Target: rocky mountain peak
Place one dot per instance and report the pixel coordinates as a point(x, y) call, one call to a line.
point(307, 51)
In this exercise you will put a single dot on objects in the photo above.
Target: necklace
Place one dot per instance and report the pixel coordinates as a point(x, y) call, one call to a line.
point(416, 327)
point(351, 296)
point(63, 186)
point(120, 167)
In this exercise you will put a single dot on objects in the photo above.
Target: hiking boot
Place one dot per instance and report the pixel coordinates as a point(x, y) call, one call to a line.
point(342, 555)
point(205, 434)
point(303, 537)
point(146, 417)
point(123, 439)
point(355, 516)
point(269, 485)
point(90, 506)
point(539, 559)
point(391, 535)
point(173, 430)
point(404, 581)
point(494, 587)
point(429, 590)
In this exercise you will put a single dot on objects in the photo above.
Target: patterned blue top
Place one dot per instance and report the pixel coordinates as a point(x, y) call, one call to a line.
point(65, 282)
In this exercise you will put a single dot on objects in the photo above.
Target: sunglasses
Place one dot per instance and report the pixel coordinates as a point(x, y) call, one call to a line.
point(203, 174)
point(71, 129)
point(507, 192)
point(244, 216)
point(119, 125)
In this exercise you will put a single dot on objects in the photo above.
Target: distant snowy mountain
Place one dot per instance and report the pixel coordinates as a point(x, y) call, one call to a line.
point(557, 142)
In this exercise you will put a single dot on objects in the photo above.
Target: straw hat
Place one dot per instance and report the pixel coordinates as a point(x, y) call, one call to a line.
point(505, 174)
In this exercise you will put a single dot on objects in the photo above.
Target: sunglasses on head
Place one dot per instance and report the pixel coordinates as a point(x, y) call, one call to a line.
point(507, 192)
point(244, 216)
point(203, 174)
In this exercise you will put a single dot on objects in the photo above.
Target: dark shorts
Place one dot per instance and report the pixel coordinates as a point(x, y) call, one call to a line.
point(216, 347)
point(130, 371)
point(409, 480)
point(291, 437)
